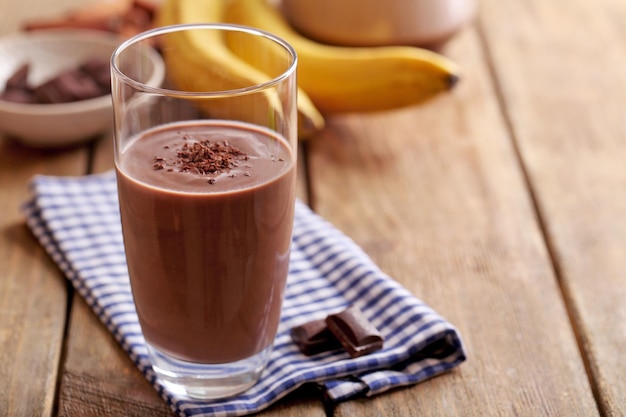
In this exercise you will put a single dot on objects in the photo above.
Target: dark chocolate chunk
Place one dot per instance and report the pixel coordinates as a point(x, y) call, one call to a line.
point(99, 71)
point(68, 86)
point(19, 79)
point(49, 93)
point(17, 90)
point(355, 333)
point(92, 79)
point(79, 85)
point(18, 95)
point(82, 86)
point(314, 337)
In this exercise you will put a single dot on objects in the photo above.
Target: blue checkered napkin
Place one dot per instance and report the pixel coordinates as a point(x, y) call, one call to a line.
point(77, 221)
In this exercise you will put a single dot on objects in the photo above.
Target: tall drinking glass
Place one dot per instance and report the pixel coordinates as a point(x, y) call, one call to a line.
point(205, 168)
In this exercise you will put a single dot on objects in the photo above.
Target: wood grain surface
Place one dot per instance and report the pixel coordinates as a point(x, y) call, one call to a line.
point(33, 293)
point(564, 92)
point(449, 216)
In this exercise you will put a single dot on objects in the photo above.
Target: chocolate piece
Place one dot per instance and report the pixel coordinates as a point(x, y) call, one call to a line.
point(99, 71)
point(68, 86)
point(92, 79)
point(17, 90)
point(79, 85)
point(314, 337)
point(49, 93)
point(18, 95)
point(19, 79)
point(355, 333)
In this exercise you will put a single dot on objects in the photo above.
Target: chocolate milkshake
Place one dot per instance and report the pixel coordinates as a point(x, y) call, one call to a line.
point(207, 213)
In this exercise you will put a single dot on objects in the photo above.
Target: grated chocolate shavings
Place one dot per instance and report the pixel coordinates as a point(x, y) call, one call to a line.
point(203, 158)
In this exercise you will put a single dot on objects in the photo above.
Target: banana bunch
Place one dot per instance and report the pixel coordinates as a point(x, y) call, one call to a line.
point(201, 61)
point(351, 79)
point(331, 79)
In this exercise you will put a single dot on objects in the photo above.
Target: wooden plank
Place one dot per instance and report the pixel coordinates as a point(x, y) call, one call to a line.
point(33, 293)
point(98, 378)
point(435, 195)
point(562, 74)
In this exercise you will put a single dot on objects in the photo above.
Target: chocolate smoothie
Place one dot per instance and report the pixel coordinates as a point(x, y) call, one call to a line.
point(207, 214)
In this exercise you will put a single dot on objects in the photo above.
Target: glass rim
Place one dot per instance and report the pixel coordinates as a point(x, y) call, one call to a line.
point(291, 68)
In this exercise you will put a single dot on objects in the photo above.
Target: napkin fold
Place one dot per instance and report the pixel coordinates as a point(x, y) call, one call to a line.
point(76, 219)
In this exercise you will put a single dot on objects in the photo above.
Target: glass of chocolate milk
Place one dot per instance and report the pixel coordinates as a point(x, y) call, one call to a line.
point(206, 168)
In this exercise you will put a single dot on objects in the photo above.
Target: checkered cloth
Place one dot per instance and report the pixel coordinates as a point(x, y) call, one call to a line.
point(77, 222)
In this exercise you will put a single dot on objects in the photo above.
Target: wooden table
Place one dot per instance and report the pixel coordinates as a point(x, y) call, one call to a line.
point(501, 204)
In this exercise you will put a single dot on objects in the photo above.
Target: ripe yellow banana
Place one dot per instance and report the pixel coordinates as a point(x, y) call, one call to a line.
point(202, 62)
point(349, 79)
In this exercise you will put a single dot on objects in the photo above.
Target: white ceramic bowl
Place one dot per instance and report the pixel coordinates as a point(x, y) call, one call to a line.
point(426, 23)
point(49, 52)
